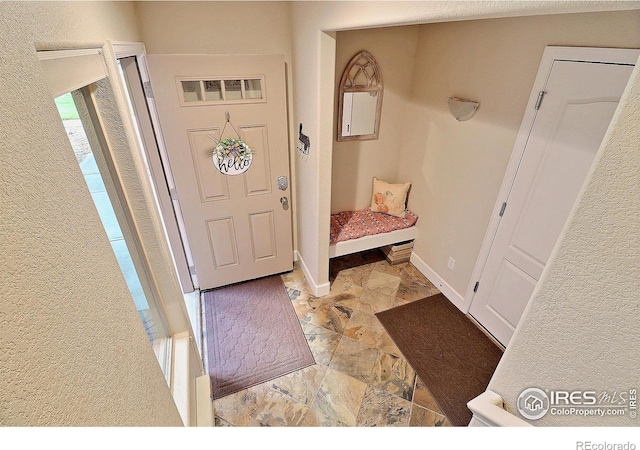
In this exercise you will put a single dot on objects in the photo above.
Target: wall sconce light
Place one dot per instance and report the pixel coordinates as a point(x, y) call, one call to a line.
point(462, 109)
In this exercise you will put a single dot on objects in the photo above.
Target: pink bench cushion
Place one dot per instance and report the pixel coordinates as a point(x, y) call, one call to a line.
point(356, 224)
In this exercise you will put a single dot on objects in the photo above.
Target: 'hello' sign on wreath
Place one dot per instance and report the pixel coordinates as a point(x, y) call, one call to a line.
point(231, 156)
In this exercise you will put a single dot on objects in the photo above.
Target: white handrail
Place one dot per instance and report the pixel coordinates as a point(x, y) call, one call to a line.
point(488, 408)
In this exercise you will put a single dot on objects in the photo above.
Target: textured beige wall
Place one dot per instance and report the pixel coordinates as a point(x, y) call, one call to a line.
point(312, 25)
point(72, 348)
point(457, 167)
point(216, 27)
point(355, 163)
point(580, 329)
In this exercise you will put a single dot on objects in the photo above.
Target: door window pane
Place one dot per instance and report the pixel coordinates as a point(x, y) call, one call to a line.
point(233, 89)
point(218, 90)
point(253, 88)
point(191, 91)
point(212, 90)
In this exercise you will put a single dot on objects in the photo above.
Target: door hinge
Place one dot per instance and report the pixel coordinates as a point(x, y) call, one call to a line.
point(192, 270)
point(504, 206)
point(148, 90)
point(174, 194)
point(539, 101)
point(475, 288)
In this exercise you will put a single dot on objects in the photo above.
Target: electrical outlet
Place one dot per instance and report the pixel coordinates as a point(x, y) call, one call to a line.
point(451, 264)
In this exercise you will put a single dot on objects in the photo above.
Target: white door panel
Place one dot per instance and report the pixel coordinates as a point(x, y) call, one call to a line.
point(579, 102)
point(510, 292)
point(236, 226)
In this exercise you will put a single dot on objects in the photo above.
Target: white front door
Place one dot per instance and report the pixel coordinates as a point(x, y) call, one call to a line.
point(238, 226)
point(578, 104)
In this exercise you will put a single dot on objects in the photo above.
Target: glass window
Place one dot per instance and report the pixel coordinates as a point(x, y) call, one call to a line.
point(237, 90)
point(253, 88)
point(191, 91)
point(212, 90)
point(86, 143)
point(233, 89)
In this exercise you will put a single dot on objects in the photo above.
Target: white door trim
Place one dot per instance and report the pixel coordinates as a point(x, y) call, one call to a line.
point(551, 54)
point(164, 183)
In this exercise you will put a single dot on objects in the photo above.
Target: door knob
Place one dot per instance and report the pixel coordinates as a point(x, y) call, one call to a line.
point(285, 202)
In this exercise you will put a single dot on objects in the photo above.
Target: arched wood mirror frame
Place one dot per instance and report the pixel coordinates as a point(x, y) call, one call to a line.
point(360, 99)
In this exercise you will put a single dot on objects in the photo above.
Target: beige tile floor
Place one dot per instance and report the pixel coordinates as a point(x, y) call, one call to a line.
point(360, 378)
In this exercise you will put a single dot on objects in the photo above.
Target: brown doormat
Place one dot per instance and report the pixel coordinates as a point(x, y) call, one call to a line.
point(448, 352)
point(253, 335)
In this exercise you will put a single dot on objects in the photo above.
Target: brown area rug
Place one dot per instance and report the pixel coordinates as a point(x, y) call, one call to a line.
point(253, 335)
point(447, 351)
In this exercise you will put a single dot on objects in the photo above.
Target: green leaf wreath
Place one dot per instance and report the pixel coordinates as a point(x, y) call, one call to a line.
point(233, 148)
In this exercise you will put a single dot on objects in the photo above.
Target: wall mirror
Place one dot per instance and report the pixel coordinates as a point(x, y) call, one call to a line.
point(360, 99)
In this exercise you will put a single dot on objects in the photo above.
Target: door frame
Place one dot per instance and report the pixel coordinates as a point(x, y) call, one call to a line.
point(161, 173)
point(551, 54)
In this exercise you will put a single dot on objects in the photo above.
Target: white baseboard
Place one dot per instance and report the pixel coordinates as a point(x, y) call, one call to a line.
point(318, 290)
point(204, 405)
point(444, 287)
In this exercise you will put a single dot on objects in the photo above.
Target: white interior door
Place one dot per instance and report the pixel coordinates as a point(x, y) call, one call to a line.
point(238, 226)
point(578, 104)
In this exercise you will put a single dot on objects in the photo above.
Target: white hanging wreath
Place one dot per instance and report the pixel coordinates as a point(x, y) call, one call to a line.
point(232, 156)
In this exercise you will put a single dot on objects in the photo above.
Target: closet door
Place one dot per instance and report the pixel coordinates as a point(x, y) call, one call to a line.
point(577, 104)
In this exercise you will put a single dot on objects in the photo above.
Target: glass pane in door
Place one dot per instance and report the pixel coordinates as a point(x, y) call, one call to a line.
point(191, 91)
point(253, 88)
point(212, 90)
point(233, 89)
